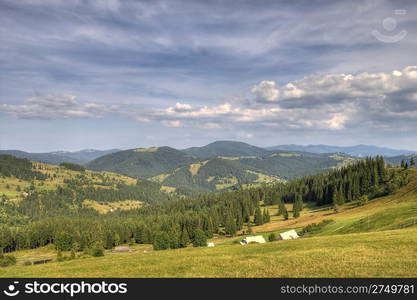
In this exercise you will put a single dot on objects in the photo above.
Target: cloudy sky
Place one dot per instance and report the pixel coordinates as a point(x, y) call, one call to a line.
point(124, 74)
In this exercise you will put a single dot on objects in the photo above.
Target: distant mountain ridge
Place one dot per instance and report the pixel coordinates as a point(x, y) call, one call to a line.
point(357, 150)
point(226, 148)
point(216, 166)
point(57, 157)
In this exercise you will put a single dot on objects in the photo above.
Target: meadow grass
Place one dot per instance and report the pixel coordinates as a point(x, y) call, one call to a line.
point(376, 254)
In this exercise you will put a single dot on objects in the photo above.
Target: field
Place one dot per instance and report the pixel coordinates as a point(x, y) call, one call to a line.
point(377, 254)
point(378, 239)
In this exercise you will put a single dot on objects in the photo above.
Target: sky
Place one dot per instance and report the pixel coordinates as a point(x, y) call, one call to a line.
point(126, 74)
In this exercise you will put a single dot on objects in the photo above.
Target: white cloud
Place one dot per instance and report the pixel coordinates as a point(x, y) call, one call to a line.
point(266, 91)
point(179, 107)
point(55, 107)
point(322, 102)
point(332, 102)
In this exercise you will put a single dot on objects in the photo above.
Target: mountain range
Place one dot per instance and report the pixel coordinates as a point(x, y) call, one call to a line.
point(357, 151)
point(57, 157)
point(219, 165)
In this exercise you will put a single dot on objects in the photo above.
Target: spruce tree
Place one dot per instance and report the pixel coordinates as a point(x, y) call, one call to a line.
point(281, 208)
point(258, 220)
point(200, 238)
point(295, 210)
point(230, 226)
point(184, 238)
point(250, 231)
point(266, 216)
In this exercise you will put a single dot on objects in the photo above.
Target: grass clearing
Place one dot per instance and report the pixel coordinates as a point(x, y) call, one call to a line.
point(376, 254)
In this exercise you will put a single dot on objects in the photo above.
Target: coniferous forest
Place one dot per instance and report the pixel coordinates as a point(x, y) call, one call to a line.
point(58, 216)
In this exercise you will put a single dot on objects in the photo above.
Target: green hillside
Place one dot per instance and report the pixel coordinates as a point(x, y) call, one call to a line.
point(141, 162)
point(230, 164)
point(30, 191)
point(385, 247)
point(229, 172)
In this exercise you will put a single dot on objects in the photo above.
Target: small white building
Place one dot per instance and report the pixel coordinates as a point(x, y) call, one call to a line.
point(210, 244)
point(122, 249)
point(253, 239)
point(289, 235)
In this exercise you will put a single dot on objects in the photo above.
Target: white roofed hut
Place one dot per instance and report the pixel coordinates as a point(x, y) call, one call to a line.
point(122, 249)
point(257, 239)
point(289, 235)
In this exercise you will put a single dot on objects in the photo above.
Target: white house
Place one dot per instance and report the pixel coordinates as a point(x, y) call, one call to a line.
point(253, 239)
point(289, 235)
point(210, 244)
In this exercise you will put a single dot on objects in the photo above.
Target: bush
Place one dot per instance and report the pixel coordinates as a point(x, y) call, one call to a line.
point(272, 237)
point(363, 200)
point(27, 263)
point(73, 167)
point(315, 227)
point(63, 241)
point(97, 250)
point(73, 255)
point(161, 241)
point(59, 256)
point(200, 238)
point(7, 260)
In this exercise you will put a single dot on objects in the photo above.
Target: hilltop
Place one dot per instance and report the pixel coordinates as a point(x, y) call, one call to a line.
point(141, 162)
point(226, 148)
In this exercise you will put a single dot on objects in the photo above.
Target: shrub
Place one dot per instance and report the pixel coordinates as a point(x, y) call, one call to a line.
point(27, 263)
point(73, 255)
point(59, 256)
point(316, 227)
point(7, 260)
point(97, 250)
point(272, 237)
point(363, 200)
point(72, 166)
point(161, 241)
point(200, 238)
point(63, 241)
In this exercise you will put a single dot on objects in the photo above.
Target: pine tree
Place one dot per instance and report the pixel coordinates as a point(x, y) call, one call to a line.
point(266, 216)
point(230, 226)
point(200, 238)
point(285, 214)
point(258, 220)
point(412, 162)
point(250, 231)
point(281, 208)
point(295, 210)
point(184, 238)
point(161, 241)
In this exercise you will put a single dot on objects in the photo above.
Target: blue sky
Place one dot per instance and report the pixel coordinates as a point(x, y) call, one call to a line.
point(125, 74)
